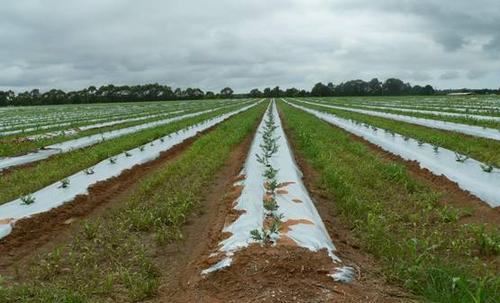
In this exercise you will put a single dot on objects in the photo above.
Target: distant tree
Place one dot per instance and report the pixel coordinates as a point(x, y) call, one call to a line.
point(375, 87)
point(157, 92)
point(276, 92)
point(428, 90)
point(394, 86)
point(331, 86)
point(255, 93)
point(267, 92)
point(321, 90)
point(303, 93)
point(291, 92)
point(6, 98)
point(226, 92)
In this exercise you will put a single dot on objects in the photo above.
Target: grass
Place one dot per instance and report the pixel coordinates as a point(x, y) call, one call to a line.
point(420, 241)
point(26, 180)
point(110, 259)
point(481, 149)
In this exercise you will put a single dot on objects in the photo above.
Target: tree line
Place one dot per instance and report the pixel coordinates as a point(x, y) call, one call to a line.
point(157, 92)
point(109, 93)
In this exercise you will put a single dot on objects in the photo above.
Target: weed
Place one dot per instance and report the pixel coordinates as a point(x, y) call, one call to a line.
point(90, 229)
point(488, 242)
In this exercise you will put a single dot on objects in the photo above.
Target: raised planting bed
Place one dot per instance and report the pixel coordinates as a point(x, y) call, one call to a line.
point(274, 208)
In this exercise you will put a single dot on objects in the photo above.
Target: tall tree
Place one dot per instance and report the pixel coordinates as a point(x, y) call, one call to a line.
point(226, 92)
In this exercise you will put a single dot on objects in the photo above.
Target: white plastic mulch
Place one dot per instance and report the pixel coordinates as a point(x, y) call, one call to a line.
point(54, 195)
point(471, 130)
point(294, 203)
point(468, 174)
point(86, 141)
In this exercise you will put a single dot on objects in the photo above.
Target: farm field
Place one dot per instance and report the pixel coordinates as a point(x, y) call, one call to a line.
point(351, 199)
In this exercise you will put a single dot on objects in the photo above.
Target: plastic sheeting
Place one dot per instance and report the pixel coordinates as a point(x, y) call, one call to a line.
point(54, 195)
point(70, 132)
point(86, 141)
point(477, 131)
point(468, 175)
point(433, 112)
point(294, 204)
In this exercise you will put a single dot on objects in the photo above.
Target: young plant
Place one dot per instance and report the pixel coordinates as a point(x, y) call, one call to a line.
point(258, 235)
point(272, 185)
point(141, 148)
point(64, 183)
point(275, 226)
point(270, 205)
point(89, 171)
point(127, 154)
point(112, 160)
point(461, 158)
point(28, 199)
point(262, 160)
point(488, 168)
point(270, 173)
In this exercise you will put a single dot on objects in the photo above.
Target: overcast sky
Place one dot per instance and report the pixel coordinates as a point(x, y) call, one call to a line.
point(246, 44)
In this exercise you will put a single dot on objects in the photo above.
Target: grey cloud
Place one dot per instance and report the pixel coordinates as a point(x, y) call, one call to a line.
point(71, 44)
point(476, 74)
point(449, 75)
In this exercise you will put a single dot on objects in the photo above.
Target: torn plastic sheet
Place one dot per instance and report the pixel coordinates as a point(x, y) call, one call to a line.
point(468, 174)
point(86, 141)
point(477, 131)
point(54, 195)
point(344, 274)
point(293, 200)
